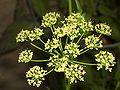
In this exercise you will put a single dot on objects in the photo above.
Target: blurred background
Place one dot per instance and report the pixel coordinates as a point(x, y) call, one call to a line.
point(16, 15)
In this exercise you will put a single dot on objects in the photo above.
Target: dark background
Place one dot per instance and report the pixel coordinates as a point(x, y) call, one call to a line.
point(16, 15)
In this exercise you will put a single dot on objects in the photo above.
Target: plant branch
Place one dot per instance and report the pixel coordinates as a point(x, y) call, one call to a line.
point(40, 48)
point(88, 64)
point(40, 60)
point(70, 7)
point(80, 38)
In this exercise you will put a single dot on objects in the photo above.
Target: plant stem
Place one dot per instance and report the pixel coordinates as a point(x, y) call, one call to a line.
point(68, 84)
point(42, 41)
point(88, 64)
point(56, 52)
point(49, 71)
point(40, 48)
point(78, 6)
point(117, 86)
point(84, 51)
point(70, 7)
point(60, 46)
point(66, 40)
point(80, 38)
point(40, 60)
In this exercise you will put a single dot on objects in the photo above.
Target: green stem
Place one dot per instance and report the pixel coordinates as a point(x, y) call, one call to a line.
point(56, 52)
point(117, 86)
point(99, 35)
point(68, 84)
point(50, 71)
point(88, 64)
point(70, 7)
point(42, 41)
point(78, 6)
point(52, 31)
point(40, 60)
point(84, 51)
point(40, 48)
point(66, 40)
point(80, 38)
point(60, 46)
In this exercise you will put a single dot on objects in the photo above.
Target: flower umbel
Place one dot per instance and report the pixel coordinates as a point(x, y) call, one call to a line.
point(35, 75)
point(105, 59)
point(50, 45)
point(22, 36)
point(93, 42)
point(35, 34)
point(60, 64)
point(103, 29)
point(74, 72)
point(68, 41)
point(25, 56)
point(50, 19)
point(72, 49)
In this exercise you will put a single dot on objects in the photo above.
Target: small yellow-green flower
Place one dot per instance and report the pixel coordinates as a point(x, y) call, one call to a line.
point(22, 36)
point(72, 49)
point(105, 59)
point(74, 72)
point(53, 44)
point(25, 56)
point(60, 64)
point(103, 29)
point(35, 76)
point(93, 42)
point(50, 19)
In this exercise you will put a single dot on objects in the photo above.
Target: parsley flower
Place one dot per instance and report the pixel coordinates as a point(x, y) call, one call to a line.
point(25, 56)
point(35, 75)
point(50, 19)
point(92, 42)
point(103, 29)
point(74, 20)
point(22, 36)
point(74, 72)
point(35, 34)
point(105, 59)
point(72, 49)
point(60, 64)
point(52, 44)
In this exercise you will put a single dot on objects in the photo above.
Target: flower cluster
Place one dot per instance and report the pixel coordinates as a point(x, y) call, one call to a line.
point(74, 20)
point(24, 35)
point(72, 49)
point(77, 20)
point(52, 44)
point(74, 72)
point(105, 59)
point(25, 56)
point(103, 29)
point(35, 34)
point(35, 75)
point(50, 19)
point(60, 64)
point(93, 42)
point(64, 47)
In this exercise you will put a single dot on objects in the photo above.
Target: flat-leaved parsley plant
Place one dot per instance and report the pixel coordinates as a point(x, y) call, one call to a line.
point(63, 55)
